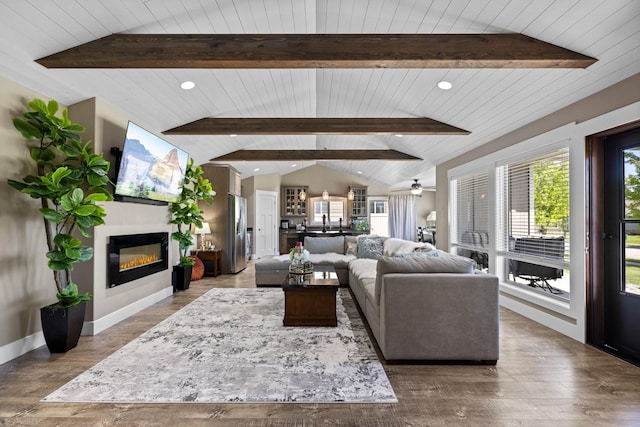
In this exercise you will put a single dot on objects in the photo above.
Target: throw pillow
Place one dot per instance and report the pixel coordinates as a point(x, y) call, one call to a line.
point(370, 247)
point(352, 248)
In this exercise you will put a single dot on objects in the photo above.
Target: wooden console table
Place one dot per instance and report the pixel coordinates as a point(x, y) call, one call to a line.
point(212, 260)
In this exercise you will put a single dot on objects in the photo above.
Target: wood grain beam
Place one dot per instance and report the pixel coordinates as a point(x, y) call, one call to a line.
point(309, 155)
point(316, 51)
point(316, 126)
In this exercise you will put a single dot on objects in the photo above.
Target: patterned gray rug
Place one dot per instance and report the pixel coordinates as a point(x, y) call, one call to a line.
point(229, 345)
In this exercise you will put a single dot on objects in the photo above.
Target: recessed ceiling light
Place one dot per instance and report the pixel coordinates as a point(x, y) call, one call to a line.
point(444, 85)
point(256, 169)
point(399, 135)
point(187, 85)
point(233, 135)
point(359, 172)
point(293, 165)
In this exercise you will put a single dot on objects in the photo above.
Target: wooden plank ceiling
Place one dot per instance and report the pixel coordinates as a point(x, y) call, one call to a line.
point(316, 51)
point(316, 126)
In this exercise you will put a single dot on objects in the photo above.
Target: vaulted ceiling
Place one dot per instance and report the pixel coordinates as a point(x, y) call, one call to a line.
point(487, 102)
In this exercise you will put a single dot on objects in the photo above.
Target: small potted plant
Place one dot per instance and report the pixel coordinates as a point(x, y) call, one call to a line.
point(186, 213)
point(69, 181)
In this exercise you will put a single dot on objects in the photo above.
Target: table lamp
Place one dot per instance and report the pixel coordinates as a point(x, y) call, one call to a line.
point(431, 219)
point(205, 229)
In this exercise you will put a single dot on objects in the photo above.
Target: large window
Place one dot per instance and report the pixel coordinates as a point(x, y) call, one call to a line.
point(533, 212)
point(333, 210)
point(470, 217)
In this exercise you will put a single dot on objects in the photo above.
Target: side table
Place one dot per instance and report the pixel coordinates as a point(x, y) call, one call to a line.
point(212, 260)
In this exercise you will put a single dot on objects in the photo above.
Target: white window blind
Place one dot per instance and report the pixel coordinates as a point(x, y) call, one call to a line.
point(470, 213)
point(534, 205)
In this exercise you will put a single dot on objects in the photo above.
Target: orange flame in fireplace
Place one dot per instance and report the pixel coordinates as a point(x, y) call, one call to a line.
point(139, 261)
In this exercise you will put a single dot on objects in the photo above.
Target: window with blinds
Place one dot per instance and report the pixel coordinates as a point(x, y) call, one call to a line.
point(533, 231)
point(470, 217)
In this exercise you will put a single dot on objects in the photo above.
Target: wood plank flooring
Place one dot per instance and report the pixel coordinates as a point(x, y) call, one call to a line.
point(542, 379)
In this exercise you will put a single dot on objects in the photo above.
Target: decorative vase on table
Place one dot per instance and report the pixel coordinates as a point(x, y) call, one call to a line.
point(300, 263)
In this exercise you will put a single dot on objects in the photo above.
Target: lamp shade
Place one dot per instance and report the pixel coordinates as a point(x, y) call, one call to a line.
point(205, 229)
point(432, 216)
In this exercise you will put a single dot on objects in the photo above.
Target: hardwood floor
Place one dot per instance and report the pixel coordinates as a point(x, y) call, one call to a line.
point(542, 378)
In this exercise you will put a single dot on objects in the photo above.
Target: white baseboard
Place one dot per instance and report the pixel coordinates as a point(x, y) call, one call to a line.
point(94, 327)
point(21, 346)
point(31, 342)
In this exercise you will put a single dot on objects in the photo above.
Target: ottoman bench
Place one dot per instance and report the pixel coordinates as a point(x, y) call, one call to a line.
point(270, 271)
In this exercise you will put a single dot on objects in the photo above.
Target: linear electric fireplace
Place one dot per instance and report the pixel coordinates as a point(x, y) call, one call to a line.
point(133, 256)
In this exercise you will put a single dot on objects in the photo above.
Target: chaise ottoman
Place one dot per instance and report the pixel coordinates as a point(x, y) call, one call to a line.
point(270, 271)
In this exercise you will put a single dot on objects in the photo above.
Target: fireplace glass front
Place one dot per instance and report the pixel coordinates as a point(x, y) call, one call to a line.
point(134, 256)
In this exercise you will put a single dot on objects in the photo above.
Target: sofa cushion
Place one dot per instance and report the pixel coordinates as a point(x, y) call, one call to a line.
point(323, 245)
point(363, 268)
point(453, 264)
point(337, 260)
point(351, 245)
point(393, 246)
point(370, 246)
point(418, 254)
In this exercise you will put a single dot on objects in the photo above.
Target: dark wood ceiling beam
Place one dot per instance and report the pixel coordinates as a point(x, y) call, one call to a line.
point(316, 126)
point(316, 51)
point(309, 155)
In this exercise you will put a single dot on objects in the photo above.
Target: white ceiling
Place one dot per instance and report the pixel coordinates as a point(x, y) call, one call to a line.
point(487, 102)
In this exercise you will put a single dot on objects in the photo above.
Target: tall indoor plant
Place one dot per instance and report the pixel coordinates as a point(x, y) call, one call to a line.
point(186, 213)
point(69, 180)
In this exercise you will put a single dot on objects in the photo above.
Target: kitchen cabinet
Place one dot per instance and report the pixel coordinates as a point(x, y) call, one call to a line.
point(291, 203)
point(359, 202)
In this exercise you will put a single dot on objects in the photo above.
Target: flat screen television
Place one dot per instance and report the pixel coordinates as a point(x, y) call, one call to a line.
point(150, 168)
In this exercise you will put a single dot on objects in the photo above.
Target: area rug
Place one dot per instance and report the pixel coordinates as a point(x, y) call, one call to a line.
point(229, 345)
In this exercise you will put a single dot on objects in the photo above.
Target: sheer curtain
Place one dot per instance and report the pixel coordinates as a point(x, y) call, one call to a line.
point(402, 217)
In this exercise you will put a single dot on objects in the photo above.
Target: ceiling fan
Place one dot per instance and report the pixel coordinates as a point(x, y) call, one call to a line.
point(415, 188)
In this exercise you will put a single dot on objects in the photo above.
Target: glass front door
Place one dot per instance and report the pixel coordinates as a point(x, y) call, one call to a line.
point(622, 244)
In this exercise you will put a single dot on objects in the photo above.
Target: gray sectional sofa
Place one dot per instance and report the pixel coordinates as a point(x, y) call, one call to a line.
point(420, 303)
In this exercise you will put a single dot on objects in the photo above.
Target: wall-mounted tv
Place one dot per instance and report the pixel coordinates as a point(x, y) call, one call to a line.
point(150, 169)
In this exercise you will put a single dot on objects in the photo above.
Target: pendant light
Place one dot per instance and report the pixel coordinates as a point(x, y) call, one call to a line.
point(302, 195)
point(325, 195)
point(350, 194)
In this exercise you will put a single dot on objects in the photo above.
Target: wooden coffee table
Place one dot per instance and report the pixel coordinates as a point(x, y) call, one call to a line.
point(310, 300)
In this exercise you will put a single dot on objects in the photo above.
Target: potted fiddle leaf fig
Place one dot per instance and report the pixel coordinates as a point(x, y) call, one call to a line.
point(186, 213)
point(69, 181)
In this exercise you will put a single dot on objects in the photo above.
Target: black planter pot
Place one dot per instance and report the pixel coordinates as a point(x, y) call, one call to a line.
point(62, 326)
point(181, 277)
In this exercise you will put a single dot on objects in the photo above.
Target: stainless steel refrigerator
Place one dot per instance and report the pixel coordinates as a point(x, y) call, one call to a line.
point(237, 241)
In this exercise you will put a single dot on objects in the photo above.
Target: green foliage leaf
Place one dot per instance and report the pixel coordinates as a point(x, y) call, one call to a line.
point(38, 105)
point(69, 296)
point(52, 215)
point(52, 107)
point(28, 130)
point(77, 196)
point(96, 197)
point(84, 210)
point(59, 265)
point(59, 174)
